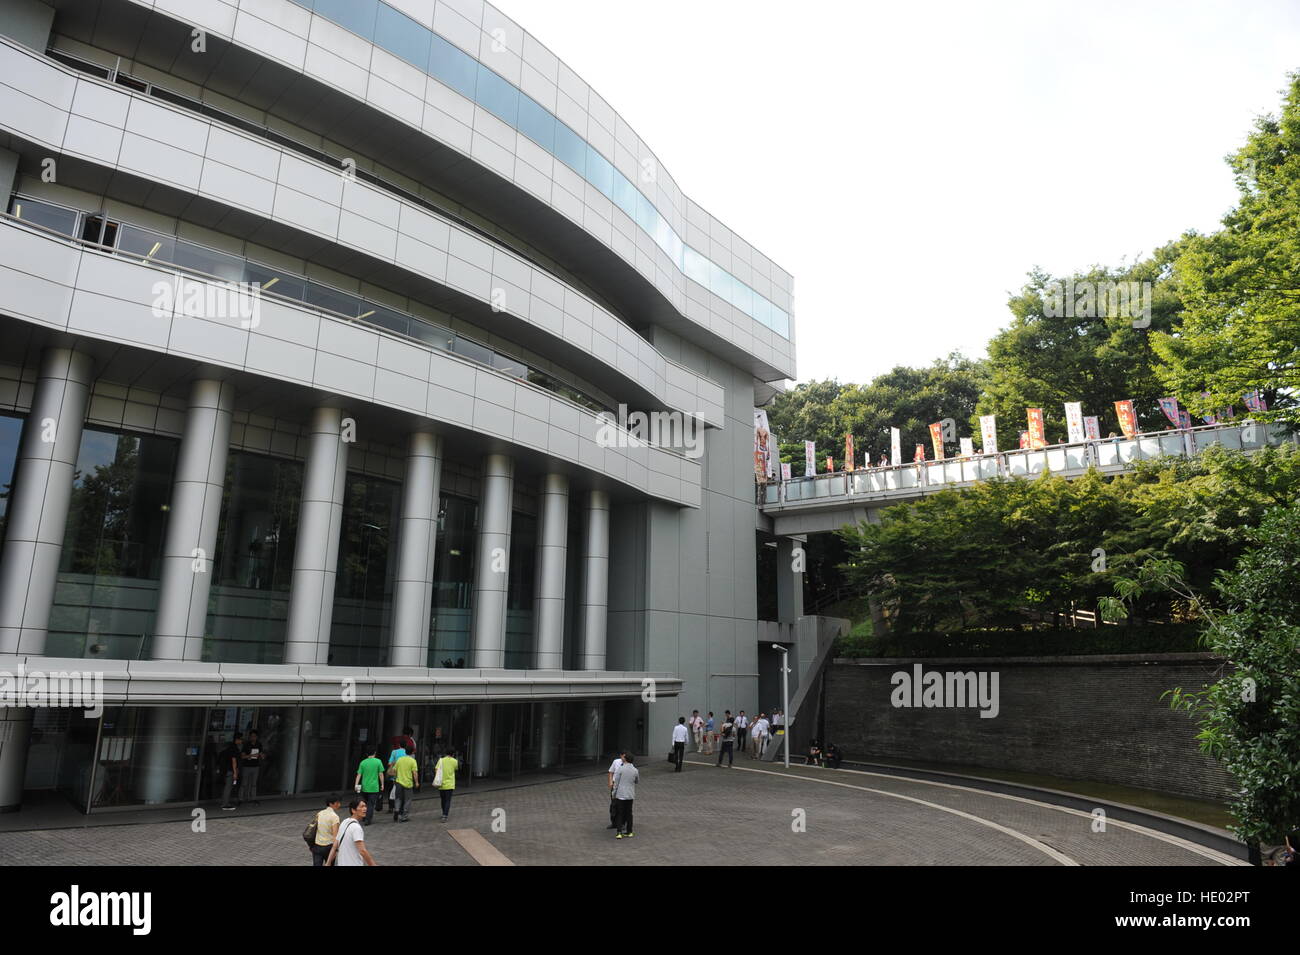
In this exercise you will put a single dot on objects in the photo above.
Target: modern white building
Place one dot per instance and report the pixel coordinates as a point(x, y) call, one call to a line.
point(314, 315)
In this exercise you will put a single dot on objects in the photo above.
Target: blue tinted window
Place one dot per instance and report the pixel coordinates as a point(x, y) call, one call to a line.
point(762, 311)
point(625, 194)
point(743, 297)
point(497, 96)
point(696, 266)
point(646, 216)
point(452, 66)
point(570, 149)
point(402, 36)
point(600, 173)
point(536, 123)
point(355, 15)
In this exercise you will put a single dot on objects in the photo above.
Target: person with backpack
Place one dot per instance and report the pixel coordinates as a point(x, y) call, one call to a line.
point(369, 782)
point(350, 841)
point(228, 765)
point(320, 832)
point(444, 779)
point(728, 743)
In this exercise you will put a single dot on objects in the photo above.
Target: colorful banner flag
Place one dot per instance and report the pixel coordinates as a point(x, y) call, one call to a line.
point(1074, 421)
point(1024, 440)
point(936, 438)
point(1128, 420)
point(849, 456)
point(1208, 418)
point(967, 447)
point(830, 464)
point(785, 471)
point(763, 456)
point(989, 433)
point(895, 446)
point(809, 458)
point(1255, 400)
point(1092, 428)
point(1037, 428)
point(1170, 408)
point(920, 453)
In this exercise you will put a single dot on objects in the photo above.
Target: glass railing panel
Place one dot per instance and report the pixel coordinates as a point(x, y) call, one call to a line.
point(55, 218)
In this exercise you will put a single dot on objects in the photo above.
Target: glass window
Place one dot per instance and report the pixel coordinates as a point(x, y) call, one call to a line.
point(384, 318)
point(600, 173)
point(536, 123)
point(271, 280)
point(336, 301)
point(431, 334)
point(520, 582)
point(363, 589)
point(472, 350)
point(44, 214)
point(355, 15)
point(151, 245)
point(697, 266)
point(402, 36)
point(11, 429)
point(497, 96)
point(208, 261)
point(511, 366)
point(452, 66)
point(646, 215)
point(570, 148)
point(625, 194)
point(453, 583)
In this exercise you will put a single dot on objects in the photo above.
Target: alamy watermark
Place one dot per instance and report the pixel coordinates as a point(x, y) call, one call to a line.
point(658, 429)
point(62, 689)
point(1108, 299)
point(215, 301)
point(946, 689)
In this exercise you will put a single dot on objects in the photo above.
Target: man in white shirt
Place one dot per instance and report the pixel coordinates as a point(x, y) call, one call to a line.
point(350, 843)
point(613, 805)
point(742, 732)
point(680, 736)
point(697, 729)
point(761, 727)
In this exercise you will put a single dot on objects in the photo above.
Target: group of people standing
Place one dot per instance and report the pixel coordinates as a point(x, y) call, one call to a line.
point(727, 736)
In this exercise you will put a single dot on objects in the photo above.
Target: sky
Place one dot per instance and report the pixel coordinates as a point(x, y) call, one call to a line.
point(910, 162)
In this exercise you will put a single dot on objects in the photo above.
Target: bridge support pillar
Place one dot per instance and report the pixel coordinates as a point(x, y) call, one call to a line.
point(791, 562)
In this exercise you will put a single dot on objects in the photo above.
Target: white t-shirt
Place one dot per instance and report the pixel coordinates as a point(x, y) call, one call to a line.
point(760, 728)
point(350, 833)
point(618, 761)
point(679, 734)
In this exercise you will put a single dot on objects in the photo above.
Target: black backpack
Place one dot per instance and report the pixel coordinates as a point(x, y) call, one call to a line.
point(309, 834)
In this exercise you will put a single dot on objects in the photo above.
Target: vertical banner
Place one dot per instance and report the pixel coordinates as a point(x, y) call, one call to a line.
point(810, 458)
point(936, 439)
point(920, 454)
point(762, 447)
point(1128, 421)
point(1208, 418)
point(1024, 440)
point(1184, 419)
point(1092, 428)
point(968, 447)
point(895, 446)
point(830, 464)
point(785, 471)
point(1255, 400)
point(850, 459)
point(1074, 421)
point(1170, 408)
point(1037, 428)
point(989, 433)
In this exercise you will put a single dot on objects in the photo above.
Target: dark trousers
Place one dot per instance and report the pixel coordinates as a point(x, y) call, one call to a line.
point(445, 795)
point(318, 856)
point(624, 811)
point(613, 810)
point(372, 802)
point(728, 750)
point(679, 752)
point(402, 804)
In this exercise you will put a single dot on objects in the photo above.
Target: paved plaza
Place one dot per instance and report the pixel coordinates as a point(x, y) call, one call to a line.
point(756, 814)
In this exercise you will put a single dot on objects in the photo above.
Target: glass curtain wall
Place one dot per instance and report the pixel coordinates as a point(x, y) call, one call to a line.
point(11, 430)
point(107, 589)
point(253, 564)
point(519, 591)
point(363, 588)
point(453, 583)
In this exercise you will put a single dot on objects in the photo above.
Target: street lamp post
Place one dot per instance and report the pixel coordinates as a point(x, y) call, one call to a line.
point(785, 697)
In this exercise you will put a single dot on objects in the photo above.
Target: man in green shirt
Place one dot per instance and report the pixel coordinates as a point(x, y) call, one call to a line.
point(370, 777)
point(448, 764)
point(408, 781)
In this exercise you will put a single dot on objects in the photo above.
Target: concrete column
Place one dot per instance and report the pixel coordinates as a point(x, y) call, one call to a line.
point(316, 554)
point(38, 510)
point(481, 755)
point(789, 581)
point(595, 582)
point(492, 565)
point(552, 553)
point(191, 540)
point(15, 730)
point(416, 542)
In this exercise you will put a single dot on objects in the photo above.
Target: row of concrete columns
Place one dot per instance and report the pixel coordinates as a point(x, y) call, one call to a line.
point(38, 514)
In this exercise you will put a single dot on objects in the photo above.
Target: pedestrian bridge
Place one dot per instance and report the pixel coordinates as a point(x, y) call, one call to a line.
point(827, 502)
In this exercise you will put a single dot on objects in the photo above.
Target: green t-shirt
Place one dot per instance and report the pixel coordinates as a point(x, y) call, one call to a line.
point(448, 764)
point(370, 769)
point(406, 769)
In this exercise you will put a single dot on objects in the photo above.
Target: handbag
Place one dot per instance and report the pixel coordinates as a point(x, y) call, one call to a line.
point(437, 775)
point(672, 756)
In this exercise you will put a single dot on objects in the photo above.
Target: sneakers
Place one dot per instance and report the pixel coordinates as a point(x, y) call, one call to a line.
point(619, 836)
point(444, 818)
point(630, 835)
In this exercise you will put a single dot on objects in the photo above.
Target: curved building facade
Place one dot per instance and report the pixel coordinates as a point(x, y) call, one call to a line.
point(362, 370)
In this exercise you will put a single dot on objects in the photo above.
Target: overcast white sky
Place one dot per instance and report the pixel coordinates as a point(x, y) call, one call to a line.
point(910, 162)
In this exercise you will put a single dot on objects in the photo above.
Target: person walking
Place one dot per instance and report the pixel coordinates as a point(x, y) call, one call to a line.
point(761, 730)
point(250, 767)
point(327, 827)
point(680, 737)
point(369, 782)
point(407, 779)
point(625, 780)
point(742, 731)
point(350, 843)
point(444, 777)
point(228, 760)
point(613, 804)
point(697, 729)
point(390, 775)
point(728, 748)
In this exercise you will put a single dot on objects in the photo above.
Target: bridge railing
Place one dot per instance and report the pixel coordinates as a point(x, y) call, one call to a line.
point(1105, 454)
